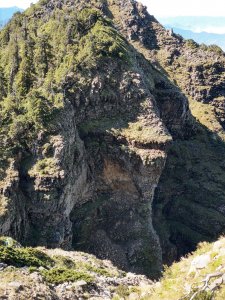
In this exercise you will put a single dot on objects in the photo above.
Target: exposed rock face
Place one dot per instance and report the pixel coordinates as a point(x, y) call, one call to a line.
point(102, 164)
point(189, 201)
point(90, 183)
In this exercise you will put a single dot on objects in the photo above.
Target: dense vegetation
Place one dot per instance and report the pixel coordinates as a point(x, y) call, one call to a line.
point(38, 59)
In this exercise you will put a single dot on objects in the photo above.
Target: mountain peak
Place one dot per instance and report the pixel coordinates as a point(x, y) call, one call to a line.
point(111, 129)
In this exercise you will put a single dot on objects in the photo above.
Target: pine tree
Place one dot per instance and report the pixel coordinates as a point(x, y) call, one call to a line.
point(25, 76)
point(42, 55)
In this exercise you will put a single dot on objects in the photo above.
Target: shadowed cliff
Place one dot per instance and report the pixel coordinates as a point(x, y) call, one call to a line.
point(94, 96)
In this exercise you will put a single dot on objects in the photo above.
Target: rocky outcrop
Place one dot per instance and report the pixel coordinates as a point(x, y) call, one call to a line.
point(57, 274)
point(96, 176)
point(189, 200)
point(89, 183)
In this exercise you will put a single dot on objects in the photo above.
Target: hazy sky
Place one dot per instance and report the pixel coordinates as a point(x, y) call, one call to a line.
point(160, 7)
point(19, 3)
point(185, 8)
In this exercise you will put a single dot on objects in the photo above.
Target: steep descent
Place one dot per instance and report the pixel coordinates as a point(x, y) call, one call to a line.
point(189, 202)
point(90, 106)
point(83, 134)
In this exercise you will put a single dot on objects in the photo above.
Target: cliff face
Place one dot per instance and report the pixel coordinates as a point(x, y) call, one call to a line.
point(85, 179)
point(189, 200)
point(88, 115)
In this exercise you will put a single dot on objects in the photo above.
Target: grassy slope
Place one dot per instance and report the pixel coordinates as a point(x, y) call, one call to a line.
point(182, 280)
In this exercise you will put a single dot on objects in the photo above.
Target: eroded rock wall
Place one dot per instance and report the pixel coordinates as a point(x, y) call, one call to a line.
point(89, 184)
point(189, 201)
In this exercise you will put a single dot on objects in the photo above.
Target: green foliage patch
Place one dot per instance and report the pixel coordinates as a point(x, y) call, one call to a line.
point(59, 275)
point(37, 59)
point(21, 257)
point(45, 167)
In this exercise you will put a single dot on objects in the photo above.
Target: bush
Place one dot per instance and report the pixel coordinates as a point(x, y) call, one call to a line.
point(191, 44)
point(9, 242)
point(216, 49)
point(60, 274)
point(122, 291)
point(21, 257)
point(45, 167)
point(87, 18)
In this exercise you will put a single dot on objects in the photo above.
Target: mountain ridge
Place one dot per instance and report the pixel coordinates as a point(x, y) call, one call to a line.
point(112, 129)
point(200, 37)
point(207, 30)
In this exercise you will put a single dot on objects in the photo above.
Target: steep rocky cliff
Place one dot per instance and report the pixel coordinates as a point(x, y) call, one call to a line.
point(91, 103)
point(189, 200)
point(86, 146)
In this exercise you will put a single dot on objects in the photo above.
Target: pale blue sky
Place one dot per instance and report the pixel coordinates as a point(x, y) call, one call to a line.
point(160, 7)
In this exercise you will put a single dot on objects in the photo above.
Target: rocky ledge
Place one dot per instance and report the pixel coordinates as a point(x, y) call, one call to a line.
point(38, 273)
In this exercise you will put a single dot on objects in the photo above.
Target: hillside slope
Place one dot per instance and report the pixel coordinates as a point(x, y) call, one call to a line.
point(83, 137)
point(200, 276)
point(94, 96)
point(40, 273)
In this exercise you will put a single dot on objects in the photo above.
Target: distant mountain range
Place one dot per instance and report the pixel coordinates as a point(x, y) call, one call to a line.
point(207, 30)
point(6, 14)
point(196, 24)
point(201, 37)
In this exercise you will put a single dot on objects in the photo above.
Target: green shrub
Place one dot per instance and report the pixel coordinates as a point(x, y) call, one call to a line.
point(9, 242)
point(65, 262)
point(216, 49)
point(21, 257)
point(191, 44)
point(122, 291)
point(45, 167)
point(100, 271)
point(60, 274)
point(87, 18)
